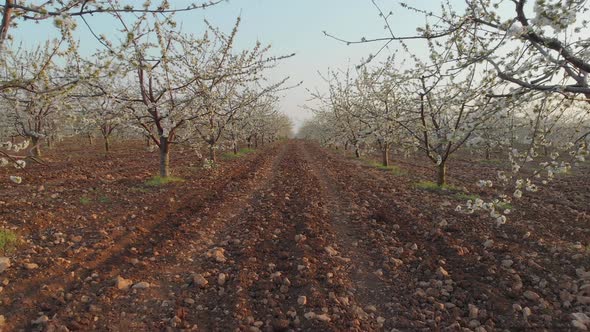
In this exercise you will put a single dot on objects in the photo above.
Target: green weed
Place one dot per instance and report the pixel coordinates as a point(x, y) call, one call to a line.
point(466, 197)
point(429, 185)
point(158, 181)
point(504, 206)
point(85, 200)
point(104, 199)
point(242, 152)
point(8, 240)
point(396, 170)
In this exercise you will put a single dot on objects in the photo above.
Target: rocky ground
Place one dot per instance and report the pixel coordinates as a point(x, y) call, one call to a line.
point(292, 237)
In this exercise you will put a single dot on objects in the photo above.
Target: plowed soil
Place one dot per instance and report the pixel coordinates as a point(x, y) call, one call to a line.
point(293, 237)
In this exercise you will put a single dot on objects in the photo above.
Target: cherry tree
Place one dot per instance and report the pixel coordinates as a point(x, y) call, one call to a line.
point(66, 16)
point(323, 129)
point(532, 46)
point(162, 103)
point(448, 111)
point(65, 13)
point(381, 102)
point(39, 107)
point(520, 54)
point(182, 79)
point(249, 124)
point(536, 45)
point(256, 119)
point(342, 102)
point(106, 114)
point(280, 127)
point(273, 126)
point(225, 116)
point(228, 83)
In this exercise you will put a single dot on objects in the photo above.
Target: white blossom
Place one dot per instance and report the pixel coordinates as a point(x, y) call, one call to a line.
point(501, 220)
point(515, 30)
point(16, 179)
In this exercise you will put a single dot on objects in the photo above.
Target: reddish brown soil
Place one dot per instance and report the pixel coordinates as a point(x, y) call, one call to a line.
point(364, 246)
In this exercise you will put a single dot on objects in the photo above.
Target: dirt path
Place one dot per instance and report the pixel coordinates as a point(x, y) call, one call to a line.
point(368, 264)
point(281, 248)
point(293, 238)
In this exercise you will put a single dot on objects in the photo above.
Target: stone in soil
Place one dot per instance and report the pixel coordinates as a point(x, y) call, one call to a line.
point(122, 283)
point(141, 285)
point(4, 264)
point(200, 281)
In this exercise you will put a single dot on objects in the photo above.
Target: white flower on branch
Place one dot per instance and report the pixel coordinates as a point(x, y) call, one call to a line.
point(438, 160)
point(516, 30)
point(16, 179)
point(515, 168)
point(556, 15)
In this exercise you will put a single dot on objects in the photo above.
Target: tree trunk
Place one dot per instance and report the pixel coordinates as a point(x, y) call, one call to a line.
point(36, 146)
point(235, 148)
point(346, 146)
point(441, 178)
point(90, 139)
point(164, 157)
point(386, 155)
point(107, 147)
point(256, 142)
point(487, 153)
point(212, 155)
point(357, 152)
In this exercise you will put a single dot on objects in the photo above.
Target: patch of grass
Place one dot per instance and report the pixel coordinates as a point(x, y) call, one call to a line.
point(104, 199)
point(158, 181)
point(504, 206)
point(465, 197)
point(246, 150)
point(242, 152)
point(431, 186)
point(8, 240)
point(396, 170)
point(230, 155)
point(383, 167)
point(139, 189)
point(85, 200)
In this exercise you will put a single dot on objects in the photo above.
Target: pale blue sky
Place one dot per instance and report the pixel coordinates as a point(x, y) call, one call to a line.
point(288, 25)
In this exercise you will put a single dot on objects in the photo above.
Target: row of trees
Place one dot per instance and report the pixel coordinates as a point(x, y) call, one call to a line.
point(154, 80)
point(478, 80)
point(385, 108)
